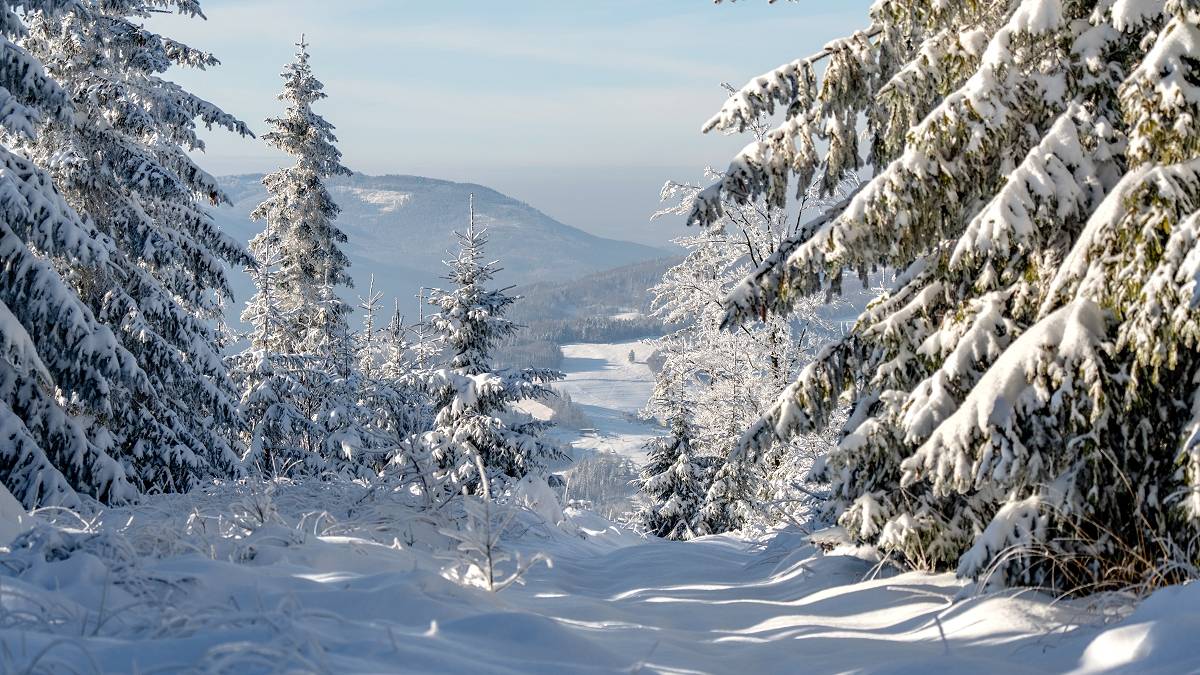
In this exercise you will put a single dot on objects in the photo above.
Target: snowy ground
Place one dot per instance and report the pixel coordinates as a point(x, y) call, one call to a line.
point(171, 591)
point(344, 578)
point(611, 390)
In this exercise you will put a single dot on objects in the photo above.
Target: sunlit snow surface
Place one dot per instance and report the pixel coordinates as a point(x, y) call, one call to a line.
point(342, 578)
point(611, 390)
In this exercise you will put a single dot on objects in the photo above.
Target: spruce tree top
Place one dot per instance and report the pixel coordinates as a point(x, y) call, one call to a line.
point(300, 132)
point(471, 316)
point(300, 213)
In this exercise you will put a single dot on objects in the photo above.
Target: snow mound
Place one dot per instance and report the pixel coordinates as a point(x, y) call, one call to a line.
point(1156, 638)
point(13, 518)
point(533, 493)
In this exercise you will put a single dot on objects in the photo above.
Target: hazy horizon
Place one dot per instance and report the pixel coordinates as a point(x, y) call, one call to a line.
point(583, 115)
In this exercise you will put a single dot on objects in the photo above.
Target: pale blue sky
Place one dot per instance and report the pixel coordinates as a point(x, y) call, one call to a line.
point(582, 109)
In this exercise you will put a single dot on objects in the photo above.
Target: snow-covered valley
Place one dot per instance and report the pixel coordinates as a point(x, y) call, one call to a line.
point(334, 578)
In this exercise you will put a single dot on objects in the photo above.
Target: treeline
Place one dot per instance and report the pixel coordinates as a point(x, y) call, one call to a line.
point(608, 306)
point(615, 291)
point(519, 352)
point(597, 329)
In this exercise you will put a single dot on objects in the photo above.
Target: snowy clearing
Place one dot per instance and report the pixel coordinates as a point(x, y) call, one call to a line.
point(611, 390)
point(601, 375)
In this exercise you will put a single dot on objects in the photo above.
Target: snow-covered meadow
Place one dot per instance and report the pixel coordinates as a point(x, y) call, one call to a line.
point(347, 577)
point(611, 390)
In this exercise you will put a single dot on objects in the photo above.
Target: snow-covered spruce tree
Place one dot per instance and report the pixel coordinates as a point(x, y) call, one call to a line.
point(1024, 398)
point(120, 159)
point(312, 276)
point(302, 213)
point(733, 377)
point(308, 341)
point(474, 401)
point(675, 477)
point(59, 361)
point(367, 350)
point(401, 351)
point(425, 344)
point(391, 398)
point(274, 384)
point(410, 354)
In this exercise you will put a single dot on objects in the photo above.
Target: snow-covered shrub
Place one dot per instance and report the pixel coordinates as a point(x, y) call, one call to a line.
point(656, 360)
point(478, 545)
point(478, 540)
point(567, 413)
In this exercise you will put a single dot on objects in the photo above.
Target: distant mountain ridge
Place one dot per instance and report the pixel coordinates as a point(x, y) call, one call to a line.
point(400, 230)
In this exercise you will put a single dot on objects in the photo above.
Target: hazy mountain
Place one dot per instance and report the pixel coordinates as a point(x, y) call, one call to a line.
point(400, 229)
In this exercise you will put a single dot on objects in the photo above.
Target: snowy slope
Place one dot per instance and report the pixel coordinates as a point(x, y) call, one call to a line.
point(330, 584)
point(601, 375)
point(13, 517)
point(611, 391)
point(400, 229)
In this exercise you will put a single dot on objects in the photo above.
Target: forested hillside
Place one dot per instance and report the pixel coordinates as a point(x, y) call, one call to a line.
point(401, 228)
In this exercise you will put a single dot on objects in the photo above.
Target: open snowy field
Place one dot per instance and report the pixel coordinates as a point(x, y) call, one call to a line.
point(602, 376)
point(333, 579)
point(611, 390)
